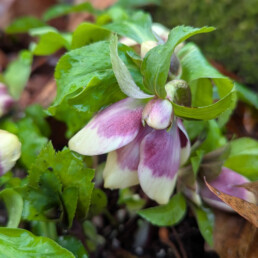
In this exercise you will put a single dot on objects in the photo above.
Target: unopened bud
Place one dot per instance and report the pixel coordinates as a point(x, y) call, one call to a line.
point(179, 92)
point(10, 151)
point(146, 46)
point(158, 113)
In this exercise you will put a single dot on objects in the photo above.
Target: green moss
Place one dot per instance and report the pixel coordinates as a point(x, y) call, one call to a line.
point(234, 44)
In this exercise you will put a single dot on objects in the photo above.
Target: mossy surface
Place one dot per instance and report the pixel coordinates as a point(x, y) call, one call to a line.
point(235, 42)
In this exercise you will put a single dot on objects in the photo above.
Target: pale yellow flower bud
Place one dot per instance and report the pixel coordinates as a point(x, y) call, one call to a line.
point(10, 151)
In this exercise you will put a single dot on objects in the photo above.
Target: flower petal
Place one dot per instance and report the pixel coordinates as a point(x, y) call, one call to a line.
point(10, 151)
point(184, 141)
point(158, 113)
point(110, 129)
point(226, 182)
point(159, 163)
point(6, 101)
point(122, 164)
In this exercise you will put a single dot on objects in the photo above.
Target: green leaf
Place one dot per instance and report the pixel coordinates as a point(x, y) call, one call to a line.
point(195, 69)
point(32, 140)
point(137, 27)
point(243, 157)
point(70, 199)
point(136, 3)
point(14, 205)
point(69, 168)
point(23, 244)
point(201, 90)
point(166, 215)
point(17, 73)
point(86, 73)
point(74, 245)
point(50, 40)
point(24, 24)
point(246, 95)
point(196, 161)
point(205, 220)
point(43, 202)
point(87, 33)
point(214, 139)
point(156, 63)
point(98, 202)
point(64, 9)
point(132, 200)
point(123, 76)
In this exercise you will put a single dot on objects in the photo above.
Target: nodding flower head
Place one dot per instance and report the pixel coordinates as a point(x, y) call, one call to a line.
point(145, 143)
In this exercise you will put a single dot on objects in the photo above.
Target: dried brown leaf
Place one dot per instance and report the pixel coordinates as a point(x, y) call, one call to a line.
point(246, 209)
point(251, 187)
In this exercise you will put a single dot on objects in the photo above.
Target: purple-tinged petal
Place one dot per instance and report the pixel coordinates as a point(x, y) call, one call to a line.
point(6, 101)
point(10, 151)
point(122, 164)
point(226, 182)
point(110, 129)
point(158, 113)
point(159, 163)
point(184, 142)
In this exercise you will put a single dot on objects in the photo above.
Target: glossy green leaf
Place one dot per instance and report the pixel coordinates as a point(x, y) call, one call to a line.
point(123, 76)
point(14, 205)
point(137, 27)
point(196, 161)
point(98, 202)
point(32, 140)
point(43, 202)
point(195, 68)
point(86, 73)
point(166, 215)
point(70, 199)
point(50, 40)
point(74, 245)
point(17, 73)
point(69, 169)
point(246, 95)
point(214, 139)
point(23, 244)
point(136, 3)
point(24, 24)
point(87, 33)
point(64, 9)
point(201, 90)
point(156, 63)
point(205, 220)
point(243, 157)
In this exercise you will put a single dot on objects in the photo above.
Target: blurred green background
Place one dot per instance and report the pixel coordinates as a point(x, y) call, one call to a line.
point(235, 42)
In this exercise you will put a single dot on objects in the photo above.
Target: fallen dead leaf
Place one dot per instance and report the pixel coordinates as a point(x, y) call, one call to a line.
point(246, 209)
point(234, 237)
point(251, 187)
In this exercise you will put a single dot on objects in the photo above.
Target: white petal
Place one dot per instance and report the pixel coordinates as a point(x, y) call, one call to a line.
point(110, 129)
point(185, 143)
point(10, 151)
point(159, 163)
point(122, 164)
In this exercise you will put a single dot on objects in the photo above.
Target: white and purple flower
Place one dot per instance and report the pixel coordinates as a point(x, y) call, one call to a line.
point(228, 182)
point(145, 143)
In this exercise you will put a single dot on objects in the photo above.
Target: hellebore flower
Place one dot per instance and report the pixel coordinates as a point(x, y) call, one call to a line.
point(145, 144)
point(6, 101)
point(227, 182)
point(10, 151)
